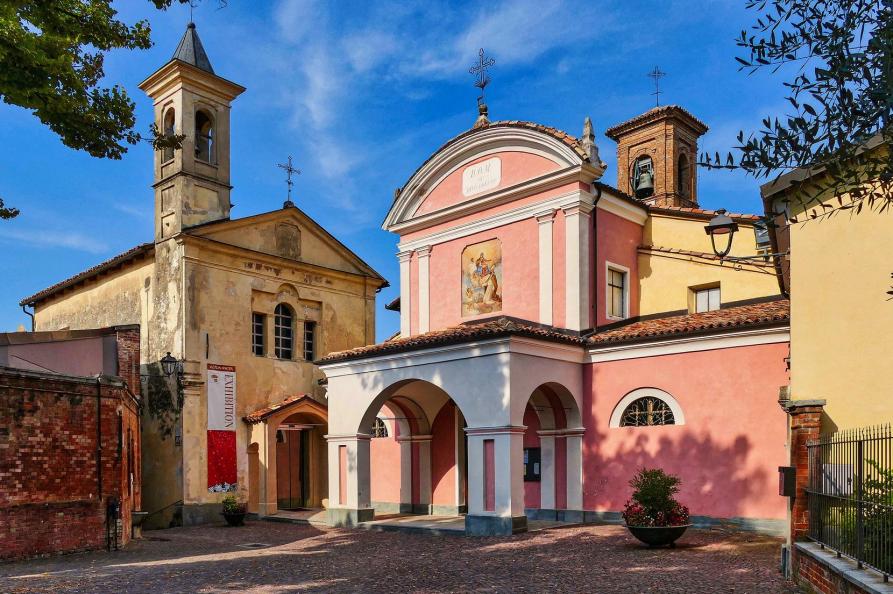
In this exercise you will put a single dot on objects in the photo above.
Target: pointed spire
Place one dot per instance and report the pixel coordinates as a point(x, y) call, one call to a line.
point(587, 141)
point(191, 51)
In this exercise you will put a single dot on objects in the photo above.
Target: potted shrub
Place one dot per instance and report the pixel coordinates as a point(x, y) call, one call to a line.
point(234, 511)
point(653, 515)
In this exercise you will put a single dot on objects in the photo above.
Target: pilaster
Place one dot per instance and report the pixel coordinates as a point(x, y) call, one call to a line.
point(546, 223)
point(423, 255)
point(405, 259)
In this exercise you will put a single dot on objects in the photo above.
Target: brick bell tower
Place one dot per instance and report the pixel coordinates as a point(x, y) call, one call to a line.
point(656, 156)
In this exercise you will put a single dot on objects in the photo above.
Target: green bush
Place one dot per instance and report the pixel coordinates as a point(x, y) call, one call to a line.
point(231, 505)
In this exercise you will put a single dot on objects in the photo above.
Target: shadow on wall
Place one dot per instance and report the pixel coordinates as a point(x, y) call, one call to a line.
point(719, 479)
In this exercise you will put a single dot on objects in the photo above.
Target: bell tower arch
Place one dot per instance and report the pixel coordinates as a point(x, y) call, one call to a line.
point(657, 154)
point(192, 183)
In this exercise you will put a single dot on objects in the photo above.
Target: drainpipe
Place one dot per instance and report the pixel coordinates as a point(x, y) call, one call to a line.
point(598, 196)
point(29, 314)
point(99, 434)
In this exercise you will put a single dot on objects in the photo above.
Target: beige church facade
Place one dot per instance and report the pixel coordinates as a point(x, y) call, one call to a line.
point(244, 305)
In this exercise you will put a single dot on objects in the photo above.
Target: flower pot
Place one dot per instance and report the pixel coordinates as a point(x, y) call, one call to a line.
point(234, 518)
point(658, 536)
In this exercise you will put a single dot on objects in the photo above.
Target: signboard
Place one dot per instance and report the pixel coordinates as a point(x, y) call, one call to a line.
point(481, 177)
point(221, 387)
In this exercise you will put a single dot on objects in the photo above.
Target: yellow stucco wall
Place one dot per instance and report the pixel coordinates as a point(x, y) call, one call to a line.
point(195, 298)
point(666, 279)
point(841, 316)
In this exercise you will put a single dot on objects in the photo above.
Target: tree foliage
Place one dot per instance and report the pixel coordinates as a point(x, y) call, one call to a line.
point(51, 63)
point(838, 59)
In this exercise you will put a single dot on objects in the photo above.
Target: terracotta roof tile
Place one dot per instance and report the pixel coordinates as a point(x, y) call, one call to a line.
point(261, 414)
point(491, 328)
point(704, 213)
point(767, 313)
point(119, 260)
point(653, 114)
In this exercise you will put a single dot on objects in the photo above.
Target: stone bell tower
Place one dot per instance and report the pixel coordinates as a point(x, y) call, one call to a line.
point(192, 184)
point(657, 154)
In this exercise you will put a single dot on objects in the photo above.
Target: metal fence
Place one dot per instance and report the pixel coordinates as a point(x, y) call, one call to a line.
point(850, 495)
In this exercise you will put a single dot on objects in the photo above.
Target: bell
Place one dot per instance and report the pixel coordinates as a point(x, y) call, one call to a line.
point(644, 185)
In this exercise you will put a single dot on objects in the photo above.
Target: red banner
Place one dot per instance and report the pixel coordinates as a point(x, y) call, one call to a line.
point(221, 387)
point(221, 460)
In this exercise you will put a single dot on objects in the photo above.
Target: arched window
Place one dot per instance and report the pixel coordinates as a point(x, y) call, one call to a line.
point(647, 411)
point(283, 331)
point(205, 137)
point(641, 178)
point(646, 407)
point(683, 175)
point(379, 428)
point(168, 131)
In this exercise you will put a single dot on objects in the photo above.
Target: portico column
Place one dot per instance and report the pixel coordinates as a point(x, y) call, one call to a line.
point(423, 254)
point(349, 489)
point(495, 481)
point(574, 448)
point(545, 220)
point(267, 504)
point(422, 445)
point(547, 469)
point(405, 292)
point(576, 221)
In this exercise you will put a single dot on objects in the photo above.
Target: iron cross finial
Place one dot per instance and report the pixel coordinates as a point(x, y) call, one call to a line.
point(289, 169)
point(480, 70)
point(656, 74)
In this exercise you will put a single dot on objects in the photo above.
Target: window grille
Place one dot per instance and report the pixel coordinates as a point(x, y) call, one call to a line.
point(283, 327)
point(647, 411)
point(379, 428)
point(309, 340)
point(258, 321)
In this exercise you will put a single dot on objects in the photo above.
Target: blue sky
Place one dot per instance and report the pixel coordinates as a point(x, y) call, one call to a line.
point(360, 93)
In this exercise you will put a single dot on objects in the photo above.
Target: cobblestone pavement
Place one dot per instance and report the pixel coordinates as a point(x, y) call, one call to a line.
point(297, 558)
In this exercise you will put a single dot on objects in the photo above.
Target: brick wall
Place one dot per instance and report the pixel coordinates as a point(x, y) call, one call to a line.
point(821, 577)
point(53, 493)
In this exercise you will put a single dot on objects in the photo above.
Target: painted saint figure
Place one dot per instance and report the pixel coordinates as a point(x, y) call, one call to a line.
point(481, 279)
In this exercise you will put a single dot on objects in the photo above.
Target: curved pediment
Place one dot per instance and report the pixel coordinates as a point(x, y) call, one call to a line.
point(481, 163)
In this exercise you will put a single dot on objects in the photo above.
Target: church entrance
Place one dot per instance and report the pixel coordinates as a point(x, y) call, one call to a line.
point(293, 467)
point(288, 459)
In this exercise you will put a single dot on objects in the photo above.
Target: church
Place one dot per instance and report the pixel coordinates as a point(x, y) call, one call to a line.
point(242, 305)
point(557, 333)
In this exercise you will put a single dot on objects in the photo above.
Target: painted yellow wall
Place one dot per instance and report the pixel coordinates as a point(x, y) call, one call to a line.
point(666, 279)
point(841, 316)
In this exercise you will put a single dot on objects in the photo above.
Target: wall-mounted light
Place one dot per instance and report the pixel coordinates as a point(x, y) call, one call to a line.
point(721, 228)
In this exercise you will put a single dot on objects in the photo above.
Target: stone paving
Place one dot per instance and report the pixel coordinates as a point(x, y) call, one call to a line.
point(278, 558)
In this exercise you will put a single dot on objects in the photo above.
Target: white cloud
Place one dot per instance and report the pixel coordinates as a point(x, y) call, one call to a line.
point(45, 239)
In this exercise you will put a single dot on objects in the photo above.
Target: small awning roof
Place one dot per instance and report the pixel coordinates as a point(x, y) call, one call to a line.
point(292, 404)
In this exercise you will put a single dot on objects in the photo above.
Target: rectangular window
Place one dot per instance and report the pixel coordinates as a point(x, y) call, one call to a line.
point(616, 293)
point(309, 340)
point(707, 300)
point(283, 337)
point(258, 321)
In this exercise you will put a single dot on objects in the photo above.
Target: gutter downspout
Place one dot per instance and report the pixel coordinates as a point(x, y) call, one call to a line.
point(30, 314)
point(598, 196)
point(99, 434)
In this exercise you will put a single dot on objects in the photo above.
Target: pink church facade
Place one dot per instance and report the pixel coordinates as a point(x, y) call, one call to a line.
point(537, 370)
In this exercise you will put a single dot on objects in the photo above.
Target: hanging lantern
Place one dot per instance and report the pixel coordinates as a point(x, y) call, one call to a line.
point(169, 364)
point(722, 227)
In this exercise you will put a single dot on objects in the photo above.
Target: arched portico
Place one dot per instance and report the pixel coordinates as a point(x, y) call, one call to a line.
point(490, 383)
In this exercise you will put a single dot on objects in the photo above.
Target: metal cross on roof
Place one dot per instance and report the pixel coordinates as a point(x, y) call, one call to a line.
point(656, 74)
point(480, 70)
point(289, 169)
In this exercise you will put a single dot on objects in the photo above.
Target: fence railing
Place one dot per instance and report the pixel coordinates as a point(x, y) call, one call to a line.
point(850, 495)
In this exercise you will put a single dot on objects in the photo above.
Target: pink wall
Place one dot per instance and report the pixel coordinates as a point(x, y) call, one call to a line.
point(384, 455)
point(520, 269)
point(443, 456)
point(82, 356)
point(728, 451)
point(531, 440)
point(617, 241)
point(516, 167)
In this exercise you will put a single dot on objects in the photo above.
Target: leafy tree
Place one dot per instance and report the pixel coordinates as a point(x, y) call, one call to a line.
point(51, 63)
point(839, 58)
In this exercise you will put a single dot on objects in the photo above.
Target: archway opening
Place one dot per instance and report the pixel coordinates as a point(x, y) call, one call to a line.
point(552, 473)
point(418, 460)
